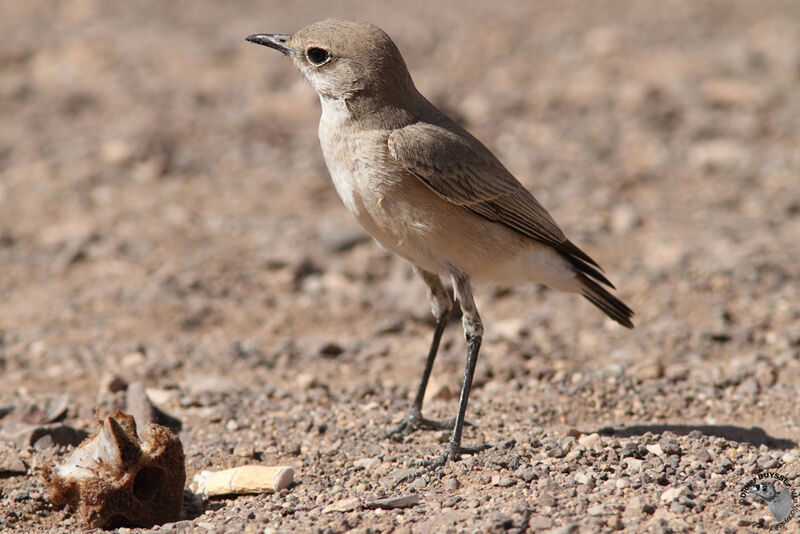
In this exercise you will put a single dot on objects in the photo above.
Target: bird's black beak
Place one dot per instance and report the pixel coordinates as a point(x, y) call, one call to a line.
point(272, 40)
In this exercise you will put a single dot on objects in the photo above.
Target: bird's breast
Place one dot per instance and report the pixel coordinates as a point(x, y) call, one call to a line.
point(346, 162)
point(379, 194)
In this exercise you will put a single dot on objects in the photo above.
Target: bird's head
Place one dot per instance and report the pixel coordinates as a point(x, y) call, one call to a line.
point(344, 58)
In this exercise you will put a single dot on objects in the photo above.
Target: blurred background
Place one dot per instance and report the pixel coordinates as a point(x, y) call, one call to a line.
point(162, 191)
point(165, 212)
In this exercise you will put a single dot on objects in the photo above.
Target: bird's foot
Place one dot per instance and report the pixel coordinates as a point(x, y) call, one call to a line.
point(414, 421)
point(451, 452)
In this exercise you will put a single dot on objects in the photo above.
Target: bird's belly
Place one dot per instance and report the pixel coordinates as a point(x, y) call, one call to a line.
point(440, 237)
point(392, 221)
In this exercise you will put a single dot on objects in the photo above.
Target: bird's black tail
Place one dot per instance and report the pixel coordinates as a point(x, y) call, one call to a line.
point(600, 297)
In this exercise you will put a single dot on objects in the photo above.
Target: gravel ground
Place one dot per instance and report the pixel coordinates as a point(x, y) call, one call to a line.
point(166, 218)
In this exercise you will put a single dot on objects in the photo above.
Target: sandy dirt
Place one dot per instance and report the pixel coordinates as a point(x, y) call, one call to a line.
point(166, 217)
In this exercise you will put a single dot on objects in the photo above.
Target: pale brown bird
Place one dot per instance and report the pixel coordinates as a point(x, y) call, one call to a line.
point(430, 192)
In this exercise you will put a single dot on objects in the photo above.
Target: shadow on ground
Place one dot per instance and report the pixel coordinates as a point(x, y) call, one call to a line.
point(755, 436)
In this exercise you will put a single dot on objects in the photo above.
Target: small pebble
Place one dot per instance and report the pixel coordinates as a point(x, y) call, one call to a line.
point(539, 522)
point(669, 445)
point(402, 501)
point(672, 494)
point(655, 448)
point(367, 463)
point(343, 505)
point(505, 482)
point(245, 450)
point(589, 441)
point(597, 509)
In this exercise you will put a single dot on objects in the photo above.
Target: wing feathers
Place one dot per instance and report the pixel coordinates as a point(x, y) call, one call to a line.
point(457, 167)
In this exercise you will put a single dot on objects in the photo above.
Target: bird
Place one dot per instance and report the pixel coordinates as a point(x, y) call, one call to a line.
point(779, 502)
point(431, 193)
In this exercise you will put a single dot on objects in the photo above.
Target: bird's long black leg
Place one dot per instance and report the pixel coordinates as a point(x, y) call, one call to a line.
point(473, 330)
point(441, 305)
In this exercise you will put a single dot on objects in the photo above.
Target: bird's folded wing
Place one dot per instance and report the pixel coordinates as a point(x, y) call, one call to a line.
point(458, 168)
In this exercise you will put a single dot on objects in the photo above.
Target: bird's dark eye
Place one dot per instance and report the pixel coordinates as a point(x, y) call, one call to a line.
point(317, 56)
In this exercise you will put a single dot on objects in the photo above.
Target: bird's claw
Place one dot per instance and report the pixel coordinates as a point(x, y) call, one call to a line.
point(452, 452)
point(414, 421)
